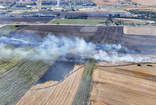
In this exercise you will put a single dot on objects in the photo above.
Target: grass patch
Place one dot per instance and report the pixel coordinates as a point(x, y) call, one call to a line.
point(114, 8)
point(76, 21)
point(83, 93)
point(7, 61)
point(7, 29)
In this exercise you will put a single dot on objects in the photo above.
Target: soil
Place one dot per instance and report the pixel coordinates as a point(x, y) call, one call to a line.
point(25, 20)
point(121, 85)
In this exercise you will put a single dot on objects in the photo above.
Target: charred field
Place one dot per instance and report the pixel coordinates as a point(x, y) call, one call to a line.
point(59, 60)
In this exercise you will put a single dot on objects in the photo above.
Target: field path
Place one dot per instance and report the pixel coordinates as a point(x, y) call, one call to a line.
point(54, 92)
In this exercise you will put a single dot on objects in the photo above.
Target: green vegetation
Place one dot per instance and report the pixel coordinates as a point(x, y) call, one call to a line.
point(7, 61)
point(76, 21)
point(7, 29)
point(114, 8)
point(14, 84)
point(120, 22)
point(83, 93)
point(75, 17)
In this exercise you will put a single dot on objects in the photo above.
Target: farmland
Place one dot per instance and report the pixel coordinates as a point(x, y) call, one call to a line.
point(113, 2)
point(36, 79)
point(135, 21)
point(8, 61)
point(25, 20)
point(59, 84)
point(123, 85)
point(7, 29)
point(83, 93)
point(76, 21)
point(20, 78)
point(92, 33)
point(143, 30)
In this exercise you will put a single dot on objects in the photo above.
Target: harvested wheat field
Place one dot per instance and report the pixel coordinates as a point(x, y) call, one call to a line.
point(55, 91)
point(140, 30)
point(145, 2)
point(124, 84)
point(132, 20)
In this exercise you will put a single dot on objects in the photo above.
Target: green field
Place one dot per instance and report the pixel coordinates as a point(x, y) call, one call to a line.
point(83, 93)
point(7, 29)
point(8, 61)
point(114, 8)
point(76, 21)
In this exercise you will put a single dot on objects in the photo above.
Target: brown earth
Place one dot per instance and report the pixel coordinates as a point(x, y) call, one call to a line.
point(54, 92)
point(124, 84)
point(109, 34)
point(25, 20)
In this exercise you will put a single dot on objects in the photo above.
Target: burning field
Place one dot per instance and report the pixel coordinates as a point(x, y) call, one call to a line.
point(48, 64)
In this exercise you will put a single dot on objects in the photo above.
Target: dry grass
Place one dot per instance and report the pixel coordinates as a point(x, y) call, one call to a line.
point(142, 30)
point(142, 9)
point(132, 20)
point(145, 2)
point(119, 86)
point(54, 92)
point(102, 2)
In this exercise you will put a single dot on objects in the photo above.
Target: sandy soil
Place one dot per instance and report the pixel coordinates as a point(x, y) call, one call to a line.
point(142, 30)
point(124, 85)
point(53, 92)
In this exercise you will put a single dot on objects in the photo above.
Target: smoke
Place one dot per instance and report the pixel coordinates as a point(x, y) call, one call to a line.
point(53, 46)
point(78, 46)
point(8, 52)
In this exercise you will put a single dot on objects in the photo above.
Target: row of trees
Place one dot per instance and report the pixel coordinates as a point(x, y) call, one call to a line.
point(75, 17)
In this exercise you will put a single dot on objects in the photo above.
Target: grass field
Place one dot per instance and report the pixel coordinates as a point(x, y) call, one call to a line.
point(83, 94)
point(7, 29)
point(11, 60)
point(76, 21)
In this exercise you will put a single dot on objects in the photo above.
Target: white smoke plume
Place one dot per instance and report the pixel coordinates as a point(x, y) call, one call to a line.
point(54, 46)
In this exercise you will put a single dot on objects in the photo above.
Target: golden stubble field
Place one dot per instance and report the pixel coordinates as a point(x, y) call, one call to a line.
point(54, 92)
point(140, 30)
point(124, 85)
